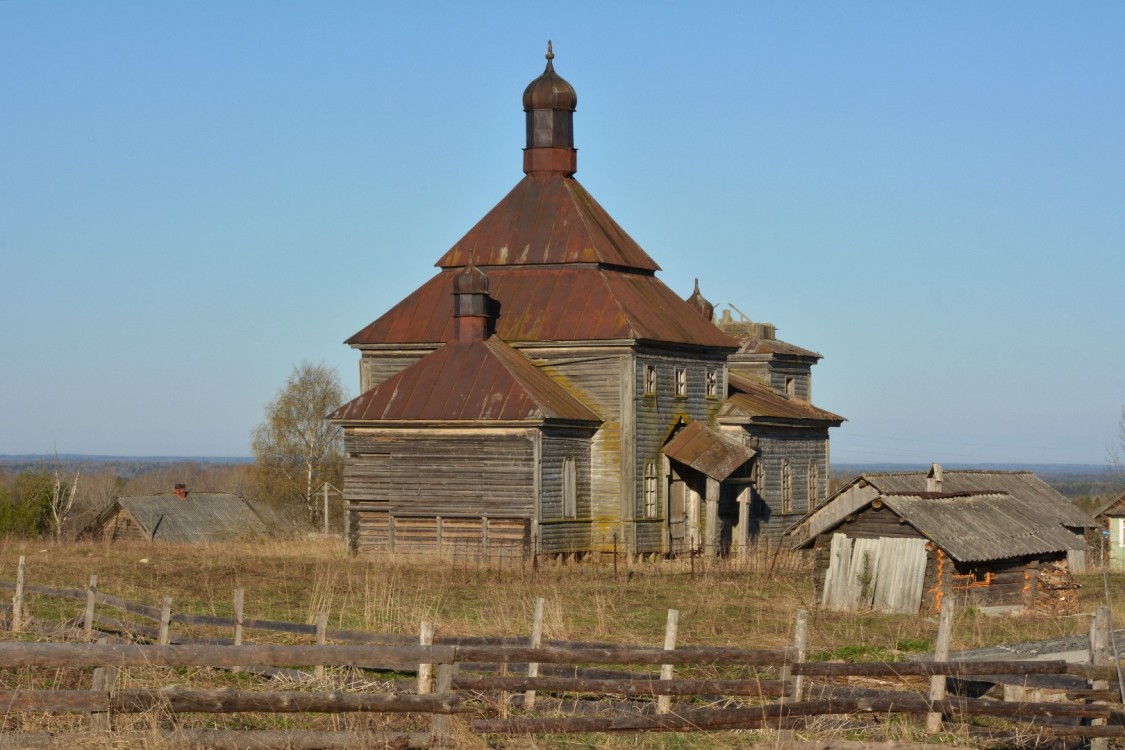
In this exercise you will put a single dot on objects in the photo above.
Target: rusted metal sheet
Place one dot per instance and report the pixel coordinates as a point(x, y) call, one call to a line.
point(577, 303)
point(707, 451)
point(547, 218)
point(755, 345)
point(483, 380)
point(752, 400)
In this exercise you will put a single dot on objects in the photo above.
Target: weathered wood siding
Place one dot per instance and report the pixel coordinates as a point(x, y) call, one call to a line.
point(378, 365)
point(801, 447)
point(430, 473)
point(557, 532)
point(122, 527)
point(597, 377)
point(656, 415)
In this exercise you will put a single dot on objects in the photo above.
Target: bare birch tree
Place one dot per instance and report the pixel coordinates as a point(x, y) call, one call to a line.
point(60, 503)
point(1115, 451)
point(295, 448)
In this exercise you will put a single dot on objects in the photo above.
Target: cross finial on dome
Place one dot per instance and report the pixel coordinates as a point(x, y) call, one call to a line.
point(550, 51)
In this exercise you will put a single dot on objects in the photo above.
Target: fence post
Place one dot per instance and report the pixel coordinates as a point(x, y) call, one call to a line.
point(1100, 655)
point(671, 630)
point(165, 621)
point(439, 724)
point(239, 604)
point(941, 653)
point(425, 671)
point(17, 599)
point(536, 642)
point(88, 616)
point(104, 681)
point(801, 645)
point(321, 639)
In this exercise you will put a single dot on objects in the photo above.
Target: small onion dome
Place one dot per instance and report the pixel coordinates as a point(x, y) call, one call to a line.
point(701, 305)
point(550, 90)
point(471, 280)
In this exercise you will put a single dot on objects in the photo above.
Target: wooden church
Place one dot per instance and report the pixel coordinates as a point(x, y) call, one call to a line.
point(546, 393)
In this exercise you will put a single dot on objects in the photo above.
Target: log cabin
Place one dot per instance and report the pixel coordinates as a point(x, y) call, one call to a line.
point(545, 392)
point(902, 541)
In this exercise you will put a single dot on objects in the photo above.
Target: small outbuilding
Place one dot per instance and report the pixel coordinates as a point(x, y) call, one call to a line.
point(903, 541)
point(1111, 521)
point(182, 516)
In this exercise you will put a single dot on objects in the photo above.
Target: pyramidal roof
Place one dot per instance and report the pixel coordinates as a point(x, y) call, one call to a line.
point(561, 269)
point(481, 380)
point(548, 218)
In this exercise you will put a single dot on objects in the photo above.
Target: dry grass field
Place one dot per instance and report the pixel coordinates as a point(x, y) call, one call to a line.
point(736, 603)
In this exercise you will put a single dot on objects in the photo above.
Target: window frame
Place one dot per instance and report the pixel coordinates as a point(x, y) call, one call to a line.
point(569, 488)
point(651, 507)
point(649, 384)
point(786, 487)
point(681, 382)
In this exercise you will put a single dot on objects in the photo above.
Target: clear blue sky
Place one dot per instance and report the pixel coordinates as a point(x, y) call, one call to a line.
point(194, 196)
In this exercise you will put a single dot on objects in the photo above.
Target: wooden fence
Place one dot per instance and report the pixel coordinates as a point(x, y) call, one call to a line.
point(527, 685)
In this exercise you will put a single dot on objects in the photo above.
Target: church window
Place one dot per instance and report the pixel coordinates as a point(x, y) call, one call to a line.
point(712, 384)
point(790, 387)
point(814, 484)
point(681, 381)
point(570, 489)
point(650, 509)
point(650, 380)
point(786, 487)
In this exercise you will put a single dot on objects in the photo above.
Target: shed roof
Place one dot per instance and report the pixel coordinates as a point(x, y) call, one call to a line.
point(481, 380)
point(572, 303)
point(750, 400)
point(199, 517)
point(1021, 484)
point(707, 451)
point(977, 515)
point(988, 526)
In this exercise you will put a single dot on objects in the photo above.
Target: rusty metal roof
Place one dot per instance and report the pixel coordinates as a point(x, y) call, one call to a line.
point(481, 380)
point(547, 218)
point(199, 517)
point(570, 303)
point(707, 451)
point(749, 344)
point(990, 526)
point(750, 400)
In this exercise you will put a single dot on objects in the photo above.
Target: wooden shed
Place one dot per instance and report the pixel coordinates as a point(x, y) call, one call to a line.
point(182, 517)
point(1110, 538)
point(902, 541)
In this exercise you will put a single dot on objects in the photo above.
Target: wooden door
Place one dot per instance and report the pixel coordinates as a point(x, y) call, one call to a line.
point(677, 513)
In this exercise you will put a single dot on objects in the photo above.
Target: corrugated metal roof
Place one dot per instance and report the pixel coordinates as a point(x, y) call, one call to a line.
point(1021, 484)
point(547, 218)
point(573, 303)
point(200, 517)
point(481, 380)
point(707, 451)
point(750, 400)
point(987, 526)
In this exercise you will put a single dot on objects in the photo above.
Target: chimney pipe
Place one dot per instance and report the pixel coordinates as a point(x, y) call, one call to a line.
point(933, 479)
point(181, 491)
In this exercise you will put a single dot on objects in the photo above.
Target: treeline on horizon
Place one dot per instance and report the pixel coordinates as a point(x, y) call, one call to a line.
point(27, 487)
point(27, 483)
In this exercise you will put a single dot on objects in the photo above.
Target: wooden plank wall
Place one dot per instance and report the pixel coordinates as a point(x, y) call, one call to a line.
point(656, 415)
point(558, 534)
point(800, 446)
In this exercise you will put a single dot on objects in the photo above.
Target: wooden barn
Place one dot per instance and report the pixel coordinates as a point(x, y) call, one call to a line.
point(182, 516)
point(545, 392)
point(902, 542)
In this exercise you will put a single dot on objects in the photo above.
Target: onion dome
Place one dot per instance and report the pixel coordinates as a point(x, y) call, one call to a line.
point(472, 280)
point(700, 304)
point(550, 90)
point(549, 102)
